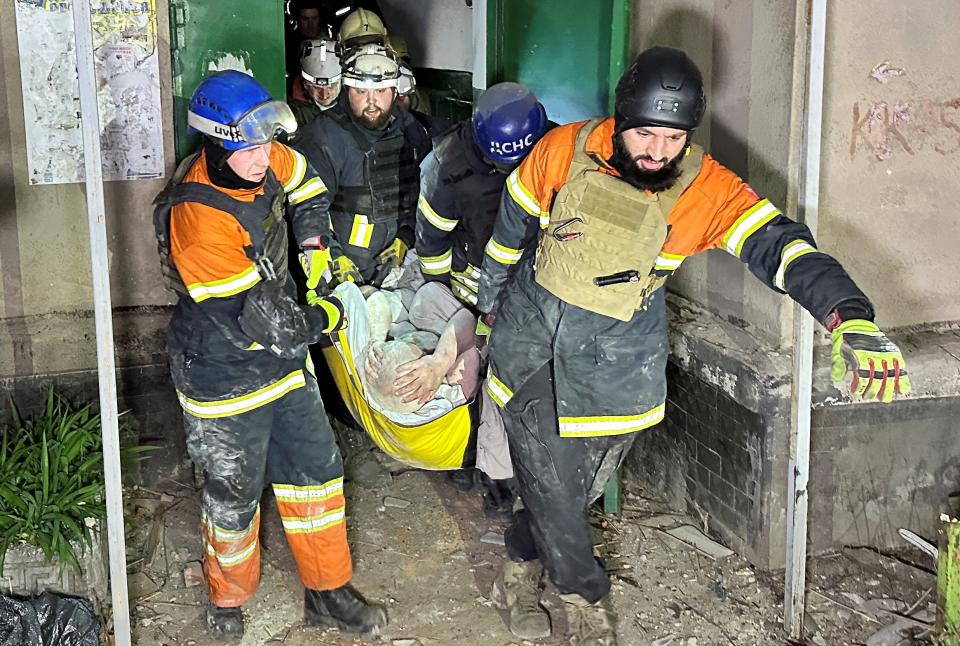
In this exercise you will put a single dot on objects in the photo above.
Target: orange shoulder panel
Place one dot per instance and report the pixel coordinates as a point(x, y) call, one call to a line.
point(707, 209)
point(206, 244)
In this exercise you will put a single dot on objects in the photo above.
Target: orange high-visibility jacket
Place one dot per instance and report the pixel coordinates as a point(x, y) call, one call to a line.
point(609, 374)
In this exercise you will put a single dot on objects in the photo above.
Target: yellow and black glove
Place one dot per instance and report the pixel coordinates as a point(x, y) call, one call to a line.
point(345, 271)
point(315, 260)
point(316, 266)
point(393, 255)
point(332, 308)
point(876, 361)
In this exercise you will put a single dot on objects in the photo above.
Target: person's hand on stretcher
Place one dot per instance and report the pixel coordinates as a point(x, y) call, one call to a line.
point(418, 380)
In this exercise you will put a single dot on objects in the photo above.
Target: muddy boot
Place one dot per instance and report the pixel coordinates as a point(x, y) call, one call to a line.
point(591, 624)
point(517, 590)
point(224, 624)
point(343, 609)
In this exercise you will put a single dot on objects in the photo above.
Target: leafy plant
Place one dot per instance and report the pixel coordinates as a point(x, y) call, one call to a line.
point(51, 479)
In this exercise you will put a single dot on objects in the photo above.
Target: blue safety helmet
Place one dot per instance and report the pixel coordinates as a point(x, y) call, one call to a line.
point(237, 112)
point(507, 122)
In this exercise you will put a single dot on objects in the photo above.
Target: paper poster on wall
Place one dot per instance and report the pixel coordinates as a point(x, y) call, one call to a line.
point(128, 75)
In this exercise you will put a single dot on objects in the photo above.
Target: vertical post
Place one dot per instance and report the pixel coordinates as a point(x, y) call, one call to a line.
point(948, 582)
point(96, 217)
point(797, 493)
point(619, 46)
point(619, 52)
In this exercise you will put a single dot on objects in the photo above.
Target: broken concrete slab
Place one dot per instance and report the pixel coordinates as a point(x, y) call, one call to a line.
point(139, 585)
point(396, 503)
point(493, 538)
point(699, 541)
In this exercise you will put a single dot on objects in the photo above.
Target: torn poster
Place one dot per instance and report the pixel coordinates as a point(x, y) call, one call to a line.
point(128, 75)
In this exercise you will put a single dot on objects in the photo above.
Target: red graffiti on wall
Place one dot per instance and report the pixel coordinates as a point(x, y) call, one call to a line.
point(883, 129)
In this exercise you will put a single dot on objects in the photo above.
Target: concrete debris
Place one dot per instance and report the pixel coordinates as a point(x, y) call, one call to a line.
point(926, 546)
point(396, 503)
point(659, 522)
point(139, 585)
point(193, 574)
point(405, 642)
point(663, 641)
point(697, 540)
point(493, 538)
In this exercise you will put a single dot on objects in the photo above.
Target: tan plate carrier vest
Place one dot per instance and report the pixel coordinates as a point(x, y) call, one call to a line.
point(621, 229)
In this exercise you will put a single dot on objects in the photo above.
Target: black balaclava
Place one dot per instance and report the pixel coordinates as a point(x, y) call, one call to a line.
point(630, 172)
point(219, 170)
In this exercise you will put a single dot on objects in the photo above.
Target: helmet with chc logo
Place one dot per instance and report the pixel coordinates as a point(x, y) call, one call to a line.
point(237, 112)
point(507, 122)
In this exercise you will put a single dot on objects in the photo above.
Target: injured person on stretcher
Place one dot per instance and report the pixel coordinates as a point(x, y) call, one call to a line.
point(414, 348)
point(434, 347)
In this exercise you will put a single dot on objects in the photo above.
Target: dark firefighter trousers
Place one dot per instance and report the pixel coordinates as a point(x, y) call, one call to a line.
point(558, 478)
point(290, 443)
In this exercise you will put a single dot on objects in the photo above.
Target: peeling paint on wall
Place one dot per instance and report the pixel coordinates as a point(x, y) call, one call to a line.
point(219, 61)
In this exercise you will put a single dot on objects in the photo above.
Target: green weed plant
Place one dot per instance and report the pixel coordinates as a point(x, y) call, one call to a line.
point(51, 479)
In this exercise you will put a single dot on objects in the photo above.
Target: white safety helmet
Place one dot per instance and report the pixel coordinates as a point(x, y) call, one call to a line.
point(319, 62)
point(371, 67)
point(407, 83)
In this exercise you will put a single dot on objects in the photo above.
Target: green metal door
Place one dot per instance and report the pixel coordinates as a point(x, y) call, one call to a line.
point(210, 36)
point(569, 52)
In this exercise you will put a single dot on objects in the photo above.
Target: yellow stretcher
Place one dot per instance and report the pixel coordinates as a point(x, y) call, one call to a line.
point(445, 443)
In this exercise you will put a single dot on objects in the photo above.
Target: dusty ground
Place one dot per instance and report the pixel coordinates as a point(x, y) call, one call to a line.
point(426, 564)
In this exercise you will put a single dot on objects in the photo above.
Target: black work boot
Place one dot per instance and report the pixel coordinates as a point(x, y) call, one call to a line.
point(224, 624)
point(498, 499)
point(343, 609)
point(463, 479)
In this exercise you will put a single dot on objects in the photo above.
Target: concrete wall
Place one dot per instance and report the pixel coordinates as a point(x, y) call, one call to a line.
point(744, 50)
point(438, 32)
point(891, 143)
point(891, 155)
point(46, 291)
point(47, 331)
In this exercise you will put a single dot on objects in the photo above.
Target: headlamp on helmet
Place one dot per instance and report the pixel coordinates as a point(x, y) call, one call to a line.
point(371, 67)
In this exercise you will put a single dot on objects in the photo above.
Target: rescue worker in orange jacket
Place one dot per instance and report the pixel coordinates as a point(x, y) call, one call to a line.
point(591, 225)
point(237, 346)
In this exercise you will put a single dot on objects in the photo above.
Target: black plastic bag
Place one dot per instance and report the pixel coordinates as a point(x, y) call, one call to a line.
point(48, 620)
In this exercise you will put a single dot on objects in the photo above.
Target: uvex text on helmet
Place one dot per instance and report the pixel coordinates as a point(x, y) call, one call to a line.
point(507, 122)
point(662, 87)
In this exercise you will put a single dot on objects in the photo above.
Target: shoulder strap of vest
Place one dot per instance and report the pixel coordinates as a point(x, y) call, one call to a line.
point(690, 166)
point(581, 160)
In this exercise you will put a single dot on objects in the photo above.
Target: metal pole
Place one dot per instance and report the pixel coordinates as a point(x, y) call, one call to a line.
point(96, 216)
point(797, 494)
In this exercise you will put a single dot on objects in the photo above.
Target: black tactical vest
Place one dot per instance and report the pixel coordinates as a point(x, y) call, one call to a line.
point(476, 189)
point(391, 177)
point(262, 219)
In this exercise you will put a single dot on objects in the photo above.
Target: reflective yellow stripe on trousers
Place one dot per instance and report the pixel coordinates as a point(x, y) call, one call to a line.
point(243, 403)
point(609, 424)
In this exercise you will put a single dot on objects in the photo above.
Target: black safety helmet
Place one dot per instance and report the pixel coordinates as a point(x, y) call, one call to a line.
point(662, 87)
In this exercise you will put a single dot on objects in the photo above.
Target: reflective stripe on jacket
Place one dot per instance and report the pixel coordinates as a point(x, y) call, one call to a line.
point(609, 374)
